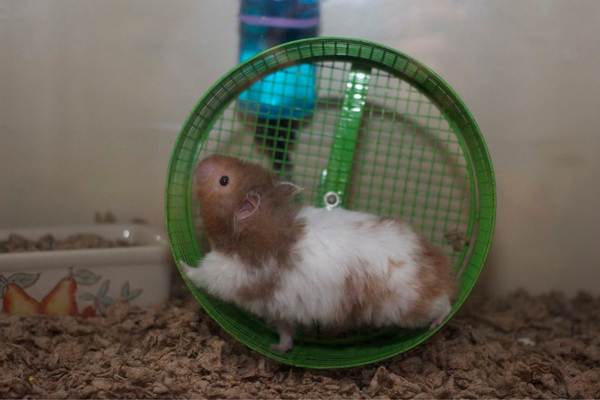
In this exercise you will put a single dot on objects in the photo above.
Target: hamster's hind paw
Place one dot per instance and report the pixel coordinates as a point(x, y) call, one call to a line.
point(438, 321)
point(441, 309)
point(286, 343)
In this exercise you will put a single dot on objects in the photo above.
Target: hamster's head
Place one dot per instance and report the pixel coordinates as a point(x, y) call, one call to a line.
point(232, 191)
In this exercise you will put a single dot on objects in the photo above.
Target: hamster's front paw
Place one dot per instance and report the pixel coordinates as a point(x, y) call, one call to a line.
point(187, 269)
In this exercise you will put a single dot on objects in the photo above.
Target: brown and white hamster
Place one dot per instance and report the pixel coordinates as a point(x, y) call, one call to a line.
point(301, 265)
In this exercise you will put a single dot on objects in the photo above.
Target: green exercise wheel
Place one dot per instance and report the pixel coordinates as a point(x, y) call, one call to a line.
point(375, 131)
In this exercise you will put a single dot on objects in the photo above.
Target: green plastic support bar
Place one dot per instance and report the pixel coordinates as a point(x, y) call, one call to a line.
point(335, 178)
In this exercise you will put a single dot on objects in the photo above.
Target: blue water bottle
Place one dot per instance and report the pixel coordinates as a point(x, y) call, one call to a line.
point(281, 99)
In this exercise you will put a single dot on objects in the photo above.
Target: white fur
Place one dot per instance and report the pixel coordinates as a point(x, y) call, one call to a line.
point(313, 290)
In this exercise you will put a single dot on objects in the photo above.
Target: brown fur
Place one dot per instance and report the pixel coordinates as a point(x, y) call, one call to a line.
point(376, 222)
point(434, 276)
point(364, 293)
point(258, 292)
point(267, 234)
point(395, 263)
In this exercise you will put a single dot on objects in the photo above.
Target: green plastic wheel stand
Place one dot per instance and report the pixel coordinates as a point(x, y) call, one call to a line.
point(336, 177)
point(386, 135)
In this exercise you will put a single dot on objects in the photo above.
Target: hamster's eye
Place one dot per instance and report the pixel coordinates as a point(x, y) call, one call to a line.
point(224, 180)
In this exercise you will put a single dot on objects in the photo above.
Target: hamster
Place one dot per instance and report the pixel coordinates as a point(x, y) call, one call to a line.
point(295, 265)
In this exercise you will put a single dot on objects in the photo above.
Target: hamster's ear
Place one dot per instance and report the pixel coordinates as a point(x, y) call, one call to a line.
point(248, 206)
point(287, 189)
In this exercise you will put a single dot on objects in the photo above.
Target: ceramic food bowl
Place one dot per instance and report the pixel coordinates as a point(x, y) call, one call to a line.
point(59, 276)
